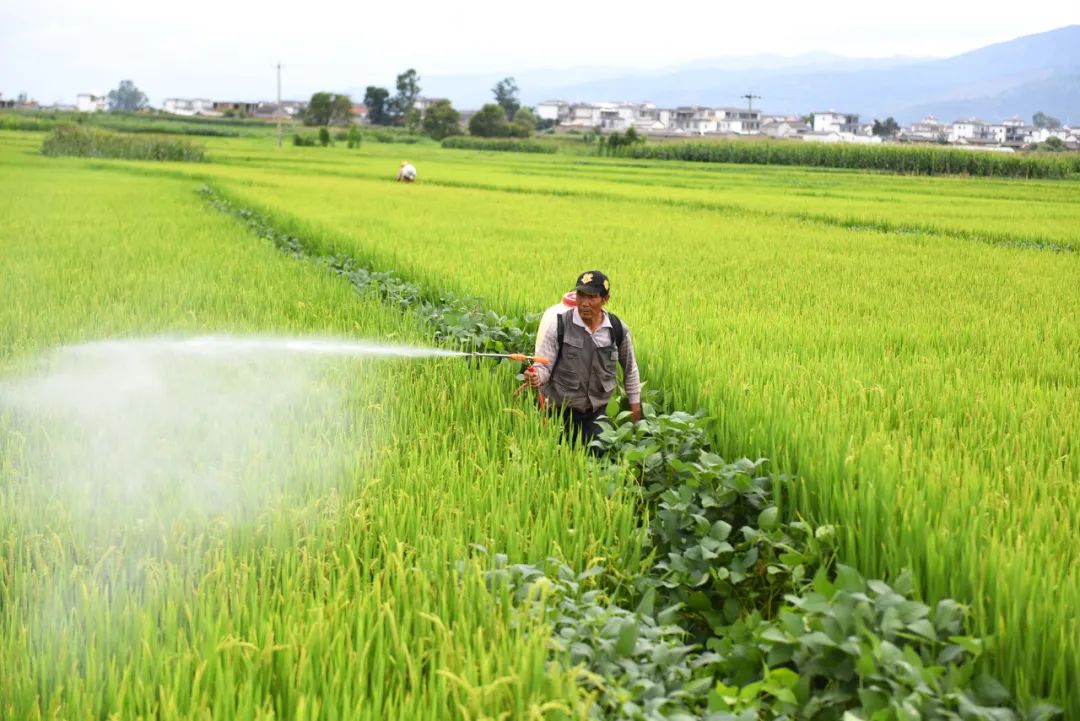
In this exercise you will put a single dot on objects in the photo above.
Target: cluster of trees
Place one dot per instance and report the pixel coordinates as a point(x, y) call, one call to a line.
point(326, 108)
point(506, 117)
point(617, 140)
point(887, 128)
point(127, 98)
point(1042, 120)
point(399, 109)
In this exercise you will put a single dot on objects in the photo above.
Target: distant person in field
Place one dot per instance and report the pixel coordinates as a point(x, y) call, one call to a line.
point(584, 344)
point(407, 173)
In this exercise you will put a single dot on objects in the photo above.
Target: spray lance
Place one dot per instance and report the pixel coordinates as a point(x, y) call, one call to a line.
point(532, 360)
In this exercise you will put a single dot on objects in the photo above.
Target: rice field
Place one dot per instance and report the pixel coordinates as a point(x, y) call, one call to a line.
point(336, 595)
point(904, 347)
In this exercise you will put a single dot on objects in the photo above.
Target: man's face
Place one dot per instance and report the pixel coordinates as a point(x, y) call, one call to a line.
point(590, 306)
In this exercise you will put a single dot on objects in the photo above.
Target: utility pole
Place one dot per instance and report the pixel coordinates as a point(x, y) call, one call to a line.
point(750, 98)
point(279, 105)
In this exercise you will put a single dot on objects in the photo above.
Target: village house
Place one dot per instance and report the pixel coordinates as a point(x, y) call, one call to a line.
point(270, 110)
point(234, 107)
point(1041, 135)
point(188, 106)
point(833, 122)
point(970, 130)
point(647, 118)
point(554, 110)
point(785, 128)
point(91, 103)
point(693, 119)
point(928, 129)
point(650, 119)
point(742, 121)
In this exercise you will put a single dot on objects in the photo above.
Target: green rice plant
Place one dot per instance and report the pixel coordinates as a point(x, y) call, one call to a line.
point(894, 343)
point(919, 384)
point(1021, 213)
point(338, 594)
point(91, 143)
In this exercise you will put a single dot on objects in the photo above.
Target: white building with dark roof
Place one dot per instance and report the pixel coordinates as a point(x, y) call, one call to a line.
point(189, 106)
point(741, 121)
point(830, 121)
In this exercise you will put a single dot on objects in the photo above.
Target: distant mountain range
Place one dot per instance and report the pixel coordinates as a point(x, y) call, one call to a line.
point(1020, 77)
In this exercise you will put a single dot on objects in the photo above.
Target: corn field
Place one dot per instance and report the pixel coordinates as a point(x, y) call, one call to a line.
point(891, 158)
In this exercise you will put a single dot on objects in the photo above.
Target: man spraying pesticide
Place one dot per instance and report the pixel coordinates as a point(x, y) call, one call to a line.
point(584, 345)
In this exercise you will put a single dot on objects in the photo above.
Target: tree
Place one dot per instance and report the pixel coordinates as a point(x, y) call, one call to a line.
point(489, 122)
point(375, 98)
point(319, 109)
point(506, 91)
point(408, 90)
point(1053, 144)
point(354, 139)
point(524, 124)
point(888, 128)
point(441, 120)
point(324, 136)
point(341, 111)
point(525, 115)
point(1040, 120)
point(414, 120)
point(126, 98)
point(325, 108)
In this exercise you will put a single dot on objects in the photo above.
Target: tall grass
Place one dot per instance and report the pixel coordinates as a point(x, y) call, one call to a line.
point(137, 123)
point(92, 143)
point(465, 142)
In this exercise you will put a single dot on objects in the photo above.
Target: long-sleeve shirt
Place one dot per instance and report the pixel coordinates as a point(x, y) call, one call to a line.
point(548, 346)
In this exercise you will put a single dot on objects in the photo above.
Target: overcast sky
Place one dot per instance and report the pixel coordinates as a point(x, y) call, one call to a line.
point(55, 49)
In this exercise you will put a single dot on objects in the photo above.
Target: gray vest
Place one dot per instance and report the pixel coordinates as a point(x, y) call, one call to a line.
point(584, 375)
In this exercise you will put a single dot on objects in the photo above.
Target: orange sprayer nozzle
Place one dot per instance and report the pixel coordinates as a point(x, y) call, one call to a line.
point(534, 358)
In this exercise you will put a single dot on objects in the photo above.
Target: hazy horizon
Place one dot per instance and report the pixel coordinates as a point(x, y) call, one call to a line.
point(57, 49)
